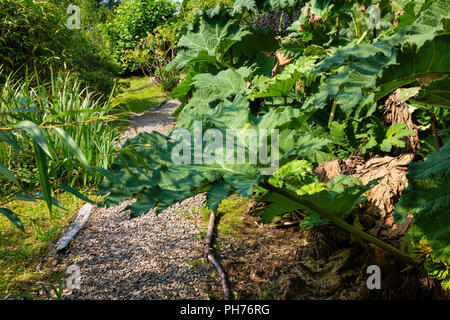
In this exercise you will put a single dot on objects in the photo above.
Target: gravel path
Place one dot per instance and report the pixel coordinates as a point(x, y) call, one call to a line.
point(155, 120)
point(150, 257)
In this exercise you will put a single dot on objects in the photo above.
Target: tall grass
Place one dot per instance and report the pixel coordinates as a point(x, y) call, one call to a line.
point(61, 103)
point(95, 138)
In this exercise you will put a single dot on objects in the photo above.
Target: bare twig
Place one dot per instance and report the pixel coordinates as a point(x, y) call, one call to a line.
point(64, 124)
point(434, 132)
point(210, 256)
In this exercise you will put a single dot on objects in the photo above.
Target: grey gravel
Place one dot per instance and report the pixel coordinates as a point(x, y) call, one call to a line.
point(149, 257)
point(158, 119)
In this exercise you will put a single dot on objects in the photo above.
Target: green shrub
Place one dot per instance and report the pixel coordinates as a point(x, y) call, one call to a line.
point(168, 78)
point(190, 7)
point(37, 38)
point(32, 39)
point(53, 136)
point(154, 52)
point(95, 68)
point(133, 21)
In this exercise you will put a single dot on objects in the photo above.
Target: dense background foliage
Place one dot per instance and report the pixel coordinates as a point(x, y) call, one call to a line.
point(134, 19)
point(35, 38)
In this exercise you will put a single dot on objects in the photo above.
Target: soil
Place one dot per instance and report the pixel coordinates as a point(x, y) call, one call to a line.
point(270, 262)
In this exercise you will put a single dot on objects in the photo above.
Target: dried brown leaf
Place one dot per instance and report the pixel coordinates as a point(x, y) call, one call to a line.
point(395, 111)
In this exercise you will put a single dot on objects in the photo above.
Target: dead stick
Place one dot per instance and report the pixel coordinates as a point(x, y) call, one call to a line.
point(210, 256)
point(434, 132)
point(62, 124)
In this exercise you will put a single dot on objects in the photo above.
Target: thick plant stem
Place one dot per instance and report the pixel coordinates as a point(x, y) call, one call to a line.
point(434, 132)
point(231, 56)
point(362, 37)
point(332, 113)
point(338, 29)
point(344, 225)
point(280, 27)
point(210, 256)
point(354, 24)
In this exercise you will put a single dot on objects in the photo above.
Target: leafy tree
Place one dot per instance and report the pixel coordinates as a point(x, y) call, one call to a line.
point(188, 8)
point(108, 3)
point(32, 36)
point(133, 20)
point(35, 37)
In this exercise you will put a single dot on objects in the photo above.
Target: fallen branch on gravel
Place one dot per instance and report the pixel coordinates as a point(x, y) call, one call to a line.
point(210, 256)
point(77, 225)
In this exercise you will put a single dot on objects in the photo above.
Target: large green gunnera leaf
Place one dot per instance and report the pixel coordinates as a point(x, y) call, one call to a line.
point(282, 84)
point(431, 60)
point(209, 39)
point(149, 174)
point(146, 171)
point(422, 20)
point(157, 182)
point(226, 83)
point(367, 72)
point(427, 198)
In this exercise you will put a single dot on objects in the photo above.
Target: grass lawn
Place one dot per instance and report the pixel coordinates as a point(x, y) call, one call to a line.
point(21, 252)
point(141, 95)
